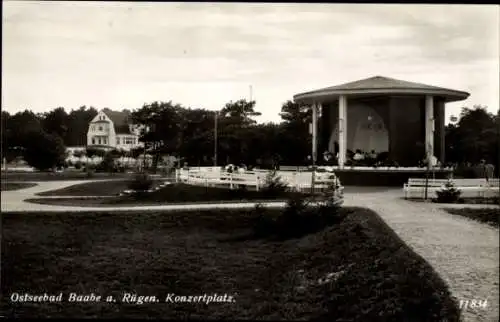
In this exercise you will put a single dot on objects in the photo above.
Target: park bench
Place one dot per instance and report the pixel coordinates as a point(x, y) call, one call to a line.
point(470, 188)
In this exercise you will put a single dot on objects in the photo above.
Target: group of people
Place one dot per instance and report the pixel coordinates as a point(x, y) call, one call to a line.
point(231, 168)
point(352, 157)
point(360, 155)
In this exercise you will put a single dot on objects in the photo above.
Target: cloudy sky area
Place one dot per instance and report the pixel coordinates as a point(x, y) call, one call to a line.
point(121, 55)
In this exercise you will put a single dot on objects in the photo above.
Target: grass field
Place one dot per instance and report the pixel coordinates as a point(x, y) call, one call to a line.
point(374, 275)
point(11, 186)
point(490, 216)
point(174, 193)
point(101, 188)
point(67, 175)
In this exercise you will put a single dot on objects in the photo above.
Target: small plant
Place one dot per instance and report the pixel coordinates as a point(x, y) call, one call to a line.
point(333, 195)
point(78, 165)
point(108, 163)
point(78, 154)
point(289, 224)
point(273, 184)
point(297, 219)
point(449, 193)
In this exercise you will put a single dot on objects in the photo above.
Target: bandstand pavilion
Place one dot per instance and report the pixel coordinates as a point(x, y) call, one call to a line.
point(381, 114)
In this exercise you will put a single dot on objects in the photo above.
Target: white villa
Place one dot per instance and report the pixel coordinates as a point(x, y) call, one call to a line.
point(112, 129)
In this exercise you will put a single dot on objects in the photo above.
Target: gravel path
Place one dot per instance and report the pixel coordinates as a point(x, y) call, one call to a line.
point(464, 252)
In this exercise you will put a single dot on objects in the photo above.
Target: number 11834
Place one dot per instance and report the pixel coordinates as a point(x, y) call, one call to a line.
point(473, 304)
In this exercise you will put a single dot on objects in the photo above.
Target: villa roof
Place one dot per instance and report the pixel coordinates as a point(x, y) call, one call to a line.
point(380, 85)
point(120, 120)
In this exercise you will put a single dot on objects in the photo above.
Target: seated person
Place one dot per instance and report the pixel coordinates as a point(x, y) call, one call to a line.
point(434, 161)
point(431, 162)
point(327, 157)
point(358, 156)
point(230, 168)
point(373, 154)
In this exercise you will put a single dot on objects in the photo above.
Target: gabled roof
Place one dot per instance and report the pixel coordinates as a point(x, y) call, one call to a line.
point(381, 85)
point(120, 120)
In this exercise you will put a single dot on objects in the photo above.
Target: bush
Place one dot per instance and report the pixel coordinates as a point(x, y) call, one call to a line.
point(290, 223)
point(333, 195)
point(449, 194)
point(141, 183)
point(91, 152)
point(107, 164)
point(78, 165)
point(78, 154)
point(298, 218)
point(44, 151)
point(273, 184)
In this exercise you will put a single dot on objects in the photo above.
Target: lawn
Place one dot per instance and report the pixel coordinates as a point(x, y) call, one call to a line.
point(101, 188)
point(52, 176)
point(11, 186)
point(490, 216)
point(374, 275)
point(174, 193)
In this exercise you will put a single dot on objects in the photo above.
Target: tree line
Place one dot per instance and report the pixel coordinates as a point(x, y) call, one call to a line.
point(188, 133)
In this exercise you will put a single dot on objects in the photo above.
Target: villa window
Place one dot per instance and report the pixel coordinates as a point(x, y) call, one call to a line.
point(93, 141)
point(99, 140)
point(100, 128)
point(104, 141)
point(117, 140)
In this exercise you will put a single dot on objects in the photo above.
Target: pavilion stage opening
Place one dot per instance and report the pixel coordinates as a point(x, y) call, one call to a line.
point(380, 130)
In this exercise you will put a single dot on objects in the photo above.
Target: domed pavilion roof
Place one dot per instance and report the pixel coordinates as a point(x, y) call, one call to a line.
point(377, 86)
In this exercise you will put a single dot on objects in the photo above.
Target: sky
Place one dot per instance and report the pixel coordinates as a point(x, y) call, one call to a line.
point(203, 55)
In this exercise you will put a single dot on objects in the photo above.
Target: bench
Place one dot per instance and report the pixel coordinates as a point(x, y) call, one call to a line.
point(470, 188)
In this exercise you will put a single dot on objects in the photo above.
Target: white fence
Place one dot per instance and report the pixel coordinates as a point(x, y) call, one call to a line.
point(210, 176)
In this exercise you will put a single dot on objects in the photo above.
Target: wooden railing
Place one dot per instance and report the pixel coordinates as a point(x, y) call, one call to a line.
point(210, 176)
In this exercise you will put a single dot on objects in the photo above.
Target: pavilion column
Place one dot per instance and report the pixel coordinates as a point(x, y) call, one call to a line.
point(314, 130)
point(429, 126)
point(342, 126)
